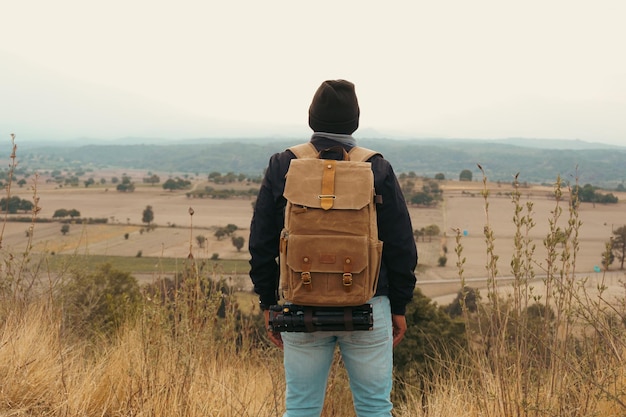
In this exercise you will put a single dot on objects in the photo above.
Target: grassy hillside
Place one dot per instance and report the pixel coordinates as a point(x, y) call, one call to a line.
point(601, 167)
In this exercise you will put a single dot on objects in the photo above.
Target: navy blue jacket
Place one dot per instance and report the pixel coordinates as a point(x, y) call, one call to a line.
point(399, 259)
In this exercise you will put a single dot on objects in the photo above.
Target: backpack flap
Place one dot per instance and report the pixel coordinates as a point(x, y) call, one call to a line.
point(319, 183)
point(349, 254)
point(327, 270)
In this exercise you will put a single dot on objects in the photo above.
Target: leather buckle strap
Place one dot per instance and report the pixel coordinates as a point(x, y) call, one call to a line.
point(347, 273)
point(327, 195)
point(305, 275)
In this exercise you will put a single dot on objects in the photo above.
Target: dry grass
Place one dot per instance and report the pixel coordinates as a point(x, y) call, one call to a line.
point(144, 371)
point(179, 360)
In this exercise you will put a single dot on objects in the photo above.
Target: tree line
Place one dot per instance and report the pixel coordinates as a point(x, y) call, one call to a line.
point(426, 157)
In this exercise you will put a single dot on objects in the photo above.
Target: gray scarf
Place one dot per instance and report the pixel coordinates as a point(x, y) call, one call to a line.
point(343, 139)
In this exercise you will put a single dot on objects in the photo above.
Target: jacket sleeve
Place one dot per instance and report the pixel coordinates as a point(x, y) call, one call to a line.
point(396, 232)
point(267, 222)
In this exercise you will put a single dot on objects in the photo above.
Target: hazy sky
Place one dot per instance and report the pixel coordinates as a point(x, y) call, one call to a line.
point(459, 69)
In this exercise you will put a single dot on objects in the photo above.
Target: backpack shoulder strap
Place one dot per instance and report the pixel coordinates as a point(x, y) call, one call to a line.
point(304, 150)
point(363, 154)
point(307, 150)
point(358, 153)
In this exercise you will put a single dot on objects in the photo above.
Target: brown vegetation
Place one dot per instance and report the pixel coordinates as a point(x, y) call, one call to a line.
point(197, 355)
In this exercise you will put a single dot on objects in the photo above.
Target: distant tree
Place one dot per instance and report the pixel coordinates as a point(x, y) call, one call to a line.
point(201, 239)
point(26, 205)
point(72, 181)
point(238, 242)
point(73, 213)
point(440, 176)
point(169, 184)
point(230, 177)
point(432, 188)
point(619, 245)
point(126, 185)
point(421, 198)
point(21, 182)
point(620, 187)
point(152, 179)
point(465, 175)
point(125, 188)
point(10, 205)
point(65, 229)
point(589, 194)
point(215, 176)
point(407, 188)
point(89, 181)
point(148, 215)
point(432, 230)
point(231, 228)
point(609, 198)
point(586, 194)
point(176, 184)
point(220, 233)
point(60, 213)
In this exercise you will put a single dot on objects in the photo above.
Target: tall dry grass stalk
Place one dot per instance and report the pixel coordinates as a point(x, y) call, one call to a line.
point(555, 351)
point(20, 272)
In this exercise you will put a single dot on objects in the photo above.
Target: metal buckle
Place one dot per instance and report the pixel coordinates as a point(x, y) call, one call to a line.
point(347, 279)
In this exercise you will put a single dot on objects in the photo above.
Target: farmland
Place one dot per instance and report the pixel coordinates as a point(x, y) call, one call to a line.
point(174, 236)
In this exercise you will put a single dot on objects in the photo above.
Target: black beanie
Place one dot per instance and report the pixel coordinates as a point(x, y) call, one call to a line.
point(335, 108)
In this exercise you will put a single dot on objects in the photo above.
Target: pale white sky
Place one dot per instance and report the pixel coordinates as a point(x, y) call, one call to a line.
point(446, 68)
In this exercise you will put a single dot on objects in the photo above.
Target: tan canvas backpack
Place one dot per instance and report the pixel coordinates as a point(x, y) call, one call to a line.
point(329, 249)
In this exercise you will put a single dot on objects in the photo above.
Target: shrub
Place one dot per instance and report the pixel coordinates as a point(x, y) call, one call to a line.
point(431, 333)
point(98, 302)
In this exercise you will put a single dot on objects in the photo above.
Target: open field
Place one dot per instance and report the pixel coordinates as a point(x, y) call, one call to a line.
point(463, 208)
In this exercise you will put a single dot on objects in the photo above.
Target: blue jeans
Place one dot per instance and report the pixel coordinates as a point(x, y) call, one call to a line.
point(367, 356)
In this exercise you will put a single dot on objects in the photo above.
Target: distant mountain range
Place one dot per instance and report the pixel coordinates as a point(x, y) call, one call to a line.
point(556, 144)
point(536, 161)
